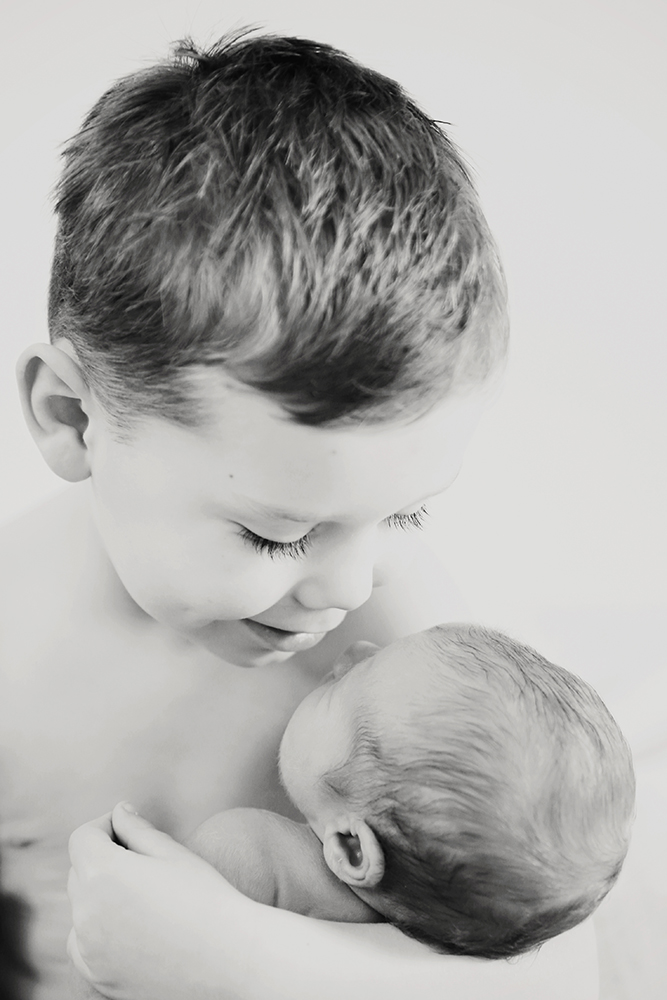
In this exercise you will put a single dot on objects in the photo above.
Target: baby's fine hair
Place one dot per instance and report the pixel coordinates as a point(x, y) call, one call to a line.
point(273, 209)
point(503, 802)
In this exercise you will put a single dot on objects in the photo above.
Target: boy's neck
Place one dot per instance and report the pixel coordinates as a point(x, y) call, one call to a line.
point(99, 580)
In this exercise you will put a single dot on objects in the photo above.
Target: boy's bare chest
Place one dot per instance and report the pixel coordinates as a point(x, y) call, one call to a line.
point(89, 720)
point(93, 715)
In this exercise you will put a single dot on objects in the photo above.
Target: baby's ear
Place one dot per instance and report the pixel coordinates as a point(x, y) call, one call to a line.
point(54, 397)
point(352, 852)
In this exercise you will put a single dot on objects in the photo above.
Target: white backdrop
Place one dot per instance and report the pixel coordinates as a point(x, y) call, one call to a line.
point(555, 529)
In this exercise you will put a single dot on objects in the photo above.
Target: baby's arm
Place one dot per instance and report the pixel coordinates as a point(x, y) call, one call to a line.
point(276, 861)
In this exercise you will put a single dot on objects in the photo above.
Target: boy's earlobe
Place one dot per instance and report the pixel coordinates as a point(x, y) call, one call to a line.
point(54, 398)
point(352, 852)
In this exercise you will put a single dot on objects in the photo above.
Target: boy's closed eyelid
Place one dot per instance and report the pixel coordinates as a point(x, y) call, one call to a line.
point(294, 549)
point(412, 519)
point(274, 514)
point(265, 533)
point(298, 547)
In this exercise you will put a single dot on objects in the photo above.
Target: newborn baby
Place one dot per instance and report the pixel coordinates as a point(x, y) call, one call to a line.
point(455, 784)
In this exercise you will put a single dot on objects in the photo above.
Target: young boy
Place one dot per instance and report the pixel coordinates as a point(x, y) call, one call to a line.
point(465, 789)
point(275, 309)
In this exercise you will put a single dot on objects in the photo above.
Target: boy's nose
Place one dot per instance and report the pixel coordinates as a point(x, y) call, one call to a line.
point(343, 579)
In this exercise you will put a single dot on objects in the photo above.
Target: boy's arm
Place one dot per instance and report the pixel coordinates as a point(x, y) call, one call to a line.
point(155, 920)
point(276, 861)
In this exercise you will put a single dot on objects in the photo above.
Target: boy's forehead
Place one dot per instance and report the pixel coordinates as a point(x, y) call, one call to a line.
point(249, 452)
point(281, 464)
point(236, 411)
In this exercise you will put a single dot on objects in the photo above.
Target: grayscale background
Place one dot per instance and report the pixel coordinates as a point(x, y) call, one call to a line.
point(555, 529)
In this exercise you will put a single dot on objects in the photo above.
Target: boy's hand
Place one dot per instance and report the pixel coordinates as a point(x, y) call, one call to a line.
point(148, 920)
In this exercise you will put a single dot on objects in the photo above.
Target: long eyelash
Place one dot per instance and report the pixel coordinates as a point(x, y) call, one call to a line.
point(405, 521)
point(299, 547)
point(293, 550)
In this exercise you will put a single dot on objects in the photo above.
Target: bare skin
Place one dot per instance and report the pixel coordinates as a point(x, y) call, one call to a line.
point(126, 690)
point(112, 706)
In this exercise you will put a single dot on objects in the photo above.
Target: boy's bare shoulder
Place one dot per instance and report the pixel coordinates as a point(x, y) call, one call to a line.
point(40, 554)
point(34, 598)
point(25, 574)
point(32, 545)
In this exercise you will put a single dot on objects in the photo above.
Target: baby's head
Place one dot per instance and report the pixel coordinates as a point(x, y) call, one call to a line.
point(477, 795)
point(273, 210)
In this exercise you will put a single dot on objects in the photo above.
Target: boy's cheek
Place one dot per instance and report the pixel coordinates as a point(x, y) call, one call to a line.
point(187, 578)
point(190, 600)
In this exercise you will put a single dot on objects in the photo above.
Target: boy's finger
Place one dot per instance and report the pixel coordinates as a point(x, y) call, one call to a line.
point(91, 840)
point(140, 836)
point(75, 956)
point(72, 885)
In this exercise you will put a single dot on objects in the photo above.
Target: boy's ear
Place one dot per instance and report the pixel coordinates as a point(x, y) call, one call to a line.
point(55, 399)
point(352, 852)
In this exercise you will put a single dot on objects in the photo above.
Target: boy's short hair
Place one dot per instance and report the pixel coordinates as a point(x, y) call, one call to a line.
point(272, 208)
point(503, 805)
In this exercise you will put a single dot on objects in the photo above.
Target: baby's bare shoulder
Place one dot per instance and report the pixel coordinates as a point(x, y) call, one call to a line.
point(238, 843)
point(279, 862)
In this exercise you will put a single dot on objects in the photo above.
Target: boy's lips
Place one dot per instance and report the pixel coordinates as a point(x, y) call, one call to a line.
point(282, 640)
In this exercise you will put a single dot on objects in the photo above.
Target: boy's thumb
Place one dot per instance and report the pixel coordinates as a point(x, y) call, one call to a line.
point(138, 835)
